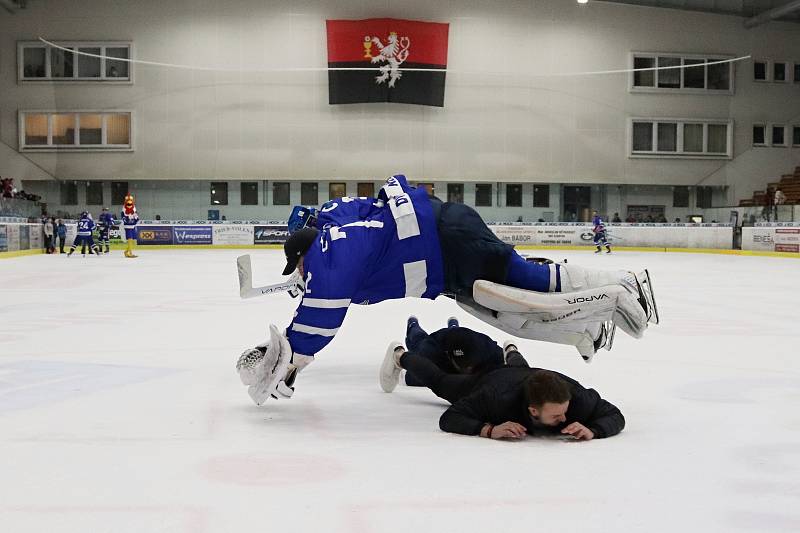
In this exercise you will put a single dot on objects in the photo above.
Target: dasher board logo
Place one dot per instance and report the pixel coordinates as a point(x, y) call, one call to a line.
point(154, 235)
point(192, 235)
point(387, 60)
point(273, 234)
point(232, 234)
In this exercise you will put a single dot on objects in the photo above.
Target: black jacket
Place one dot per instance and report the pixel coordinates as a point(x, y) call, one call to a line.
point(499, 397)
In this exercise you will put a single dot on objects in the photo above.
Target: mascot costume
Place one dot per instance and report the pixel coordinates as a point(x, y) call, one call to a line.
point(129, 220)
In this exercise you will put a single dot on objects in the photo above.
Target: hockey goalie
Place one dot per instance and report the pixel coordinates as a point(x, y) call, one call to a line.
point(405, 243)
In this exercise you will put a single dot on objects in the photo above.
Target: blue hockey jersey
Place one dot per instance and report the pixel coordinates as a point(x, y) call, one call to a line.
point(106, 220)
point(85, 227)
point(369, 250)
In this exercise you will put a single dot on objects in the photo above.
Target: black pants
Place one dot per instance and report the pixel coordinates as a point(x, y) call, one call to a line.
point(470, 250)
point(419, 342)
point(61, 244)
point(450, 387)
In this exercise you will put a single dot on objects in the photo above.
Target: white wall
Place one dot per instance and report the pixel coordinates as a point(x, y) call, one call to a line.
point(254, 126)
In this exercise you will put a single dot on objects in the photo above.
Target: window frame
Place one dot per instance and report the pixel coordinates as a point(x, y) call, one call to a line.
point(767, 71)
point(521, 194)
point(211, 193)
point(114, 186)
point(453, 188)
point(681, 89)
point(369, 184)
point(288, 184)
point(786, 73)
point(752, 132)
point(796, 72)
point(772, 142)
point(490, 194)
point(90, 183)
point(315, 185)
point(74, 186)
point(679, 152)
point(331, 185)
point(75, 79)
point(795, 127)
point(242, 186)
point(75, 146)
point(546, 187)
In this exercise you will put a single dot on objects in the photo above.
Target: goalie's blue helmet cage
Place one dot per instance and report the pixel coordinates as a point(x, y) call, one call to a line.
point(301, 217)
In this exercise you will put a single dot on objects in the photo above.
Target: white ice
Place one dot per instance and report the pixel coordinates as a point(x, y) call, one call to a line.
point(121, 411)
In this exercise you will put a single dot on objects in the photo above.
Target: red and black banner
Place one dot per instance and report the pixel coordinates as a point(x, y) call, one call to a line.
point(390, 47)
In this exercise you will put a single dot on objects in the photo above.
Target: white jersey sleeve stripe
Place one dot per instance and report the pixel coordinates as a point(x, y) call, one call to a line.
point(416, 275)
point(322, 303)
point(311, 330)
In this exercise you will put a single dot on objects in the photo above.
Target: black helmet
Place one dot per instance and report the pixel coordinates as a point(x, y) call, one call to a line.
point(296, 245)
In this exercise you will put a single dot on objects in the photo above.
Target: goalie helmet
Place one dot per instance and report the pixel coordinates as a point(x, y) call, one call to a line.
point(302, 217)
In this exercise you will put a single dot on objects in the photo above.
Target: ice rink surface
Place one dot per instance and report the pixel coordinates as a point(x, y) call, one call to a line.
point(121, 411)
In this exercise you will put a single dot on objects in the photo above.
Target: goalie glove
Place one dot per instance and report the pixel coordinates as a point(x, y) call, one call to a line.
point(263, 368)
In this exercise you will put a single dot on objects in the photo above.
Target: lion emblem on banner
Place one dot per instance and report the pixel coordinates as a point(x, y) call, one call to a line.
point(394, 53)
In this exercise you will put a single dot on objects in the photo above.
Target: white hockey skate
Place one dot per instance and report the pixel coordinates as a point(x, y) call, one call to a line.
point(390, 368)
point(265, 367)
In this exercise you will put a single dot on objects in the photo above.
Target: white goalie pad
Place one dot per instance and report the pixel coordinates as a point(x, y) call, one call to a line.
point(584, 319)
point(277, 359)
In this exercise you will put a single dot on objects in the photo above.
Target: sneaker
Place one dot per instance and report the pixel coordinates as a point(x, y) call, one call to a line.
point(390, 368)
point(509, 346)
point(412, 321)
point(452, 322)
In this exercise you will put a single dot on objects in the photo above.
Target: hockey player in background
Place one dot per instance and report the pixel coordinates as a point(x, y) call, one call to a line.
point(129, 220)
point(105, 222)
point(407, 244)
point(84, 237)
point(600, 233)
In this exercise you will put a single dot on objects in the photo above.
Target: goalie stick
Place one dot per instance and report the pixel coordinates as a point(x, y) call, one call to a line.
point(246, 289)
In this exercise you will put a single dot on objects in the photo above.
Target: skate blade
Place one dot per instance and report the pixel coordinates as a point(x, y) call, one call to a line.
point(652, 298)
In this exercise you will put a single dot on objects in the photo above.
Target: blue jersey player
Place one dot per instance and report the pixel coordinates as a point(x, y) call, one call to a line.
point(600, 234)
point(104, 224)
point(84, 237)
point(361, 251)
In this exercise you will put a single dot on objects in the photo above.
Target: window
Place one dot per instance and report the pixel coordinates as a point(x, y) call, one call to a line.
point(778, 135)
point(694, 77)
point(119, 189)
point(39, 62)
point(795, 135)
point(513, 195)
point(483, 195)
point(48, 131)
point(718, 75)
point(366, 190)
point(681, 138)
point(337, 190)
point(667, 137)
point(249, 193)
point(219, 193)
point(541, 196)
point(693, 138)
point(779, 71)
point(69, 193)
point(280, 193)
point(797, 72)
point(717, 138)
point(680, 196)
point(759, 135)
point(309, 194)
point(703, 197)
point(681, 72)
point(669, 78)
point(642, 136)
point(429, 188)
point(94, 193)
point(455, 193)
point(760, 70)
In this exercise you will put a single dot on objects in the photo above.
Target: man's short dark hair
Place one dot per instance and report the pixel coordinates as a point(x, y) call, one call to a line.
point(546, 387)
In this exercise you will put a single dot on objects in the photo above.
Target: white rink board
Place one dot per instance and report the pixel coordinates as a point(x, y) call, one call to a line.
point(121, 410)
point(771, 239)
point(713, 236)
